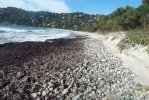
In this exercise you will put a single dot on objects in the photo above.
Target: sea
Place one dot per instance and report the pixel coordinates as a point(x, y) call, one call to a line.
point(13, 33)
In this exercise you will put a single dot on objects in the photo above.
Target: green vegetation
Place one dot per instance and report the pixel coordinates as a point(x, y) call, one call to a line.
point(91, 27)
point(145, 2)
point(121, 19)
point(102, 22)
point(134, 37)
point(128, 18)
point(133, 20)
point(74, 21)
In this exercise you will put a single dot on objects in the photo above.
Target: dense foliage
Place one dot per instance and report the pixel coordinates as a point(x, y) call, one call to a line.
point(127, 18)
point(73, 21)
point(133, 20)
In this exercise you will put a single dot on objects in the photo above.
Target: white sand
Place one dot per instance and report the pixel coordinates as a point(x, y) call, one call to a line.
point(136, 59)
point(88, 34)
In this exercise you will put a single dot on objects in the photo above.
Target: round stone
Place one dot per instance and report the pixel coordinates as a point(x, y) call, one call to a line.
point(34, 95)
point(65, 91)
point(109, 97)
point(44, 93)
point(76, 97)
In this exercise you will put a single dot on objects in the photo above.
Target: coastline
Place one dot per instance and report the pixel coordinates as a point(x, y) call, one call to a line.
point(82, 66)
point(135, 58)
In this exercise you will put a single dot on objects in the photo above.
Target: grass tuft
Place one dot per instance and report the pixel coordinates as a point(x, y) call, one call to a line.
point(134, 37)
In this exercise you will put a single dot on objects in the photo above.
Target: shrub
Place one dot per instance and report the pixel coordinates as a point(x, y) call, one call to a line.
point(134, 37)
point(91, 27)
point(121, 46)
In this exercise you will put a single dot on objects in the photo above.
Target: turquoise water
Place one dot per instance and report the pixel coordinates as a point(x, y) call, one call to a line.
point(10, 33)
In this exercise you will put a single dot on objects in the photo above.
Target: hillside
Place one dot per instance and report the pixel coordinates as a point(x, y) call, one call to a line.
point(74, 21)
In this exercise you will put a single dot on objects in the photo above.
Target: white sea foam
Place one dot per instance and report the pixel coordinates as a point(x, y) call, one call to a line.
point(22, 34)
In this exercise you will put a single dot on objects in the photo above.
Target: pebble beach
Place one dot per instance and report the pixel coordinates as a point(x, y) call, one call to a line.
point(65, 69)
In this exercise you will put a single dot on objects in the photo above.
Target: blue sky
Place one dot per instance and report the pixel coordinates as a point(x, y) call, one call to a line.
point(100, 6)
point(86, 6)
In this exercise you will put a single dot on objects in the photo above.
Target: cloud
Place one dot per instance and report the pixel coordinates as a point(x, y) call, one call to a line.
point(58, 6)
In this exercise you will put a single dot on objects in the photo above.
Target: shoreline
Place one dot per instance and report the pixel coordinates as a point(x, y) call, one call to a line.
point(27, 61)
point(134, 58)
point(67, 68)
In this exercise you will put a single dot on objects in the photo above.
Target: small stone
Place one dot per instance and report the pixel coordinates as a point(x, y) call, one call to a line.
point(76, 97)
point(86, 92)
point(108, 87)
point(44, 85)
point(18, 74)
point(102, 82)
point(74, 90)
point(68, 98)
point(103, 60)
point(93, 92)
point(46, 98)
point(94, 87)
point(109, 97)
point(56, 91)
point(89, 89)
point(50, 84)
point(72, 94)
point(38, 98)
point(62, 81)
point(44, 93)
point(65, 91)
point(51, 89)
point(99, 92)
point(50, 94)
point(34, 95)
point(38, 93)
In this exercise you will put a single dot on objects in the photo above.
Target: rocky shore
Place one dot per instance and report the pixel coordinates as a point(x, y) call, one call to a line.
point(65, 69)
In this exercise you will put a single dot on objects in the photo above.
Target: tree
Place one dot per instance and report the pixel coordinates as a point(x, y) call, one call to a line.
point(102, 22)
point(130, 18)
point(143, 16)
point(145, 2)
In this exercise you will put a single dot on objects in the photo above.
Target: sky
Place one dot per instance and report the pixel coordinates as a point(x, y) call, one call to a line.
point(67, 6)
